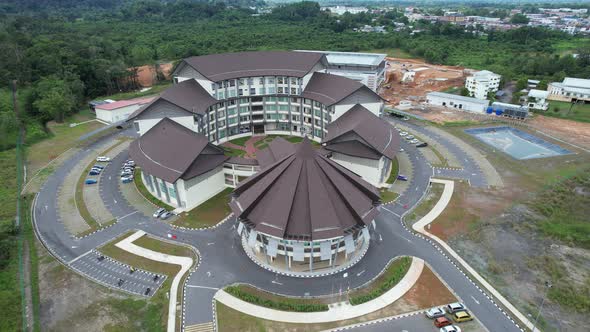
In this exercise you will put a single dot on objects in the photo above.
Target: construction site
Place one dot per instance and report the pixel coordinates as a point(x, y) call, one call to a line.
point(407, 81)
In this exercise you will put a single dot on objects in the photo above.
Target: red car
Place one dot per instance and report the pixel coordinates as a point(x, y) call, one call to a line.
point(442, 322)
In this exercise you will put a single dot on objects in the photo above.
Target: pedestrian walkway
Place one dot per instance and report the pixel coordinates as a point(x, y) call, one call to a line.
point(438, 208)
point(335, 313)
point(185, 263)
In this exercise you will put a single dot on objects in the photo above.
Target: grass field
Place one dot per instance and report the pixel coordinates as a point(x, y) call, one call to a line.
point(240, 141)
point(387, 280)
point(10, 297)
point(394, 171)
point(231, 152)
point(152, 314)
point(387, 196)
point(578, 112)
point(427, 203)
point(207, 214)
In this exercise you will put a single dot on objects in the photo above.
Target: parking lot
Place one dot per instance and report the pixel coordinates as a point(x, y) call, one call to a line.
point(110, 272)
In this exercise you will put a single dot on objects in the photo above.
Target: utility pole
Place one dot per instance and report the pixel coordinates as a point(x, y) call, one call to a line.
point(547, 286)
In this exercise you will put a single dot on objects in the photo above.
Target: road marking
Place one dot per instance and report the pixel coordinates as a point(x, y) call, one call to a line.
point(210, 243)
point(115, 200)
point(386, 209)
point(276, 282)
point(77, 258)
point(476, 301)
point(205, 287)
point(359, 274)
point(127, 215)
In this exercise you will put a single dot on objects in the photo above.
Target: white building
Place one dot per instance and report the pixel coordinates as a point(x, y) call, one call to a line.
point(364, 144)
point(459, 102)
point(571, 89)
point(482, 83)
point(366, 68)
point(340, 10)
point(537, 99)
point(119, 110)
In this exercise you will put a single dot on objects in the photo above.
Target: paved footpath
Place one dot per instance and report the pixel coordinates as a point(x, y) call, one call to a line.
point(223, 261)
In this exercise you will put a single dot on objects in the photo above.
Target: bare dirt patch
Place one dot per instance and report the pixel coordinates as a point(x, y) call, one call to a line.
point(428, 78)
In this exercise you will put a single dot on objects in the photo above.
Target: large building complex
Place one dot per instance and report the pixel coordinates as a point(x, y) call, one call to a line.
point(571, 89)
point(367, 68)
point(301, 208)
point(482, 83)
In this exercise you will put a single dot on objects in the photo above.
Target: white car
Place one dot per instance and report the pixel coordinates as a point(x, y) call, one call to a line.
point(410, 137)
point(435, 312)
point(103, 159)
point(398, 129)
point(414, 141)
point(401, 150)
point(454, 307)
point(403, 133)
point(450, 328)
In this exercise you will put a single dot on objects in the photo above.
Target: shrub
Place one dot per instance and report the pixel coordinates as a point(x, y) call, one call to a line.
point(394, 277)
point(279, 305)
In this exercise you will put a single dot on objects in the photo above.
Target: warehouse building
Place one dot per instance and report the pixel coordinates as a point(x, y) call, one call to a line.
point(458, 102)
point(571, 89)
point(117, 111)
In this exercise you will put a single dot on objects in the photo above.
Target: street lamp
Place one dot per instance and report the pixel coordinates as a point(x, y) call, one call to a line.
point(547, 286)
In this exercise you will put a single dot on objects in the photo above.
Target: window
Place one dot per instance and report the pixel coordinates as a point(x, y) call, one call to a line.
point(261, 91)
point(245, 109)
point(280, 89)
point(295, 100)
point(293, 80)
point(280, 80)
point(221, 95)
point(211, 116)
point(271, 90)
point(241, 81)
point(252, 91)
point(213, 86)
point(231, 93)
point(240, 92)
point(293, 91)
point(283, 107)
point(271, 107)
point(222, 123)
point(261, 81)
point(271, 99)
point(250, 81)
point(317, 112)
point(244, 118)
point(270, 80)
point(231, 111)
point(231, 102)
point(232, 83)
point(317, 104)
point(284, 99)
point(317, 122)
point(307, 101)
point(232, 120)
point(244, 100)
point(212, 126)
point(295, 118)
point(221, 113)
point(136, 125)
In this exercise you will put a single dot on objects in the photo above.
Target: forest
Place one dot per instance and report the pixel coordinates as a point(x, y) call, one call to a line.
point(64, 53)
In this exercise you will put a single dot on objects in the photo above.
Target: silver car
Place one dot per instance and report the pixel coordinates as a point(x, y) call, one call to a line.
point(435, 312)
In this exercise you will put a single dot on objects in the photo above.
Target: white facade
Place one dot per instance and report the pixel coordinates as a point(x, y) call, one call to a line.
point(119, 110)
point(366, 68)
point(537, 99)
point(197, 190)
point(457, 102)
point(482, 83)
point(374, 171)
point(570, 89)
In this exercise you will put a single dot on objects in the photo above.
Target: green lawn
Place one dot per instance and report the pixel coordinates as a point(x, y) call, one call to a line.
point(387, 196)
point(561, 109)
point(10, 296)
point(394, 171)
point(208, 213)
point(231, 152)
point(145, 193)
point(240, 141)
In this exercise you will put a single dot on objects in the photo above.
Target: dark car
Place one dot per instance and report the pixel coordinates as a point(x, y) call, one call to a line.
point(422, 145)
point(90, 181)
point(94, 173)
point(402, 177)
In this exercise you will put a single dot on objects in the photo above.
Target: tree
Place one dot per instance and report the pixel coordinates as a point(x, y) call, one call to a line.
point(54, 98)
point(464, 91)
point(521, 83)
point(542, 85)
point(519, 19)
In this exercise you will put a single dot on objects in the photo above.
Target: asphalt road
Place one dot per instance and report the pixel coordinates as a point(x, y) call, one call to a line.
point(224, 262)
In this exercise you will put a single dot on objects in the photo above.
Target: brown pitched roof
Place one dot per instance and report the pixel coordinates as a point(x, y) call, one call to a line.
point(370, 130)
point(171, 151)
point(305, 195)
point(219, 67)
point(329, 89)
point(188, 95)
point(354, 148)
point(276, 150)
